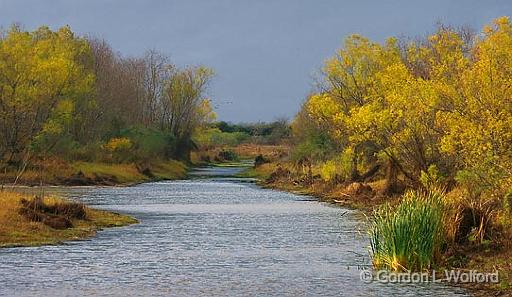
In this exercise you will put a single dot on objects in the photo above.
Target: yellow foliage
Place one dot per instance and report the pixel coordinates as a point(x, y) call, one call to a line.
point(44, 74)
point(328, 171)
point(118, 144)
point(446, 101)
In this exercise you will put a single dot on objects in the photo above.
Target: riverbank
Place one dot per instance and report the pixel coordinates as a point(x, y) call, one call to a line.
point(60, 173)
point(24, 223)
point(488, 257)
point(358, 196)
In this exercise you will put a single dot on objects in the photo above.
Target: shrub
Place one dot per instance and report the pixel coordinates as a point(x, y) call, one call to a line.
point(120, 148)
point(315, 147)
point(260, 160)
point(432, 178)
point(226, 156)
point(408, 236)
point(118, 144)
point(338, 168)
point(213, 137)
point(149, 143)
point(91, 152)
point(328, 171)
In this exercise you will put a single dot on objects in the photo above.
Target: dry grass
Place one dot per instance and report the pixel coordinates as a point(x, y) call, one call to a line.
point(117, 173)
point(58, 172)
point(49, 171)
point(169, 169)
point(272, 152)
point(262, 172)
point(16, 230)
point(243, 151)
point(127, 174)
point(324, 191)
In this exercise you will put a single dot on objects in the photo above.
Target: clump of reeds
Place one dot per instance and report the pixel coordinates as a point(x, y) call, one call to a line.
point(408, 236)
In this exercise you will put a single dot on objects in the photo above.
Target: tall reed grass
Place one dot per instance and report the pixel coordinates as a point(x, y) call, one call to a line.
point(408, 236)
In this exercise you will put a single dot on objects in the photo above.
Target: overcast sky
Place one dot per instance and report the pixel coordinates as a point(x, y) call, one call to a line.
point(264, 53)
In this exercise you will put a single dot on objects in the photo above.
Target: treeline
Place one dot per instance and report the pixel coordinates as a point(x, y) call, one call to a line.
point(228, 134)
point(434, 110)
point(74, 97)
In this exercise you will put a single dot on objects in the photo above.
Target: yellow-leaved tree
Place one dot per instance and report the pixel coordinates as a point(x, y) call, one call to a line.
point(478, 124)
point(42, 74)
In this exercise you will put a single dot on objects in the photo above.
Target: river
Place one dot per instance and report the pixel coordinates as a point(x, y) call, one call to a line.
point(211, 235)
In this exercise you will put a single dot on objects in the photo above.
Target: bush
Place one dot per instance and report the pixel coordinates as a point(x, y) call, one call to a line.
point(119, 148)
point(209, 138)
point(149, 143)
point(328, 171)
point(338, 168)
point(260, 160)
point(226, 156)
point(90, 152)
point(317, 147)
point(408, 236)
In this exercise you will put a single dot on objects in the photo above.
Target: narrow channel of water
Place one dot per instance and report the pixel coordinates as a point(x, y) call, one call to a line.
point(208, 236)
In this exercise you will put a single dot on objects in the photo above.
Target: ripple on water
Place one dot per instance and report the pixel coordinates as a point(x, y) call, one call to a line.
point(212, 235)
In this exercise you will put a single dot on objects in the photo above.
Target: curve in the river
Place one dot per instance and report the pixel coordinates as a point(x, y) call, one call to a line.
point(210, 235)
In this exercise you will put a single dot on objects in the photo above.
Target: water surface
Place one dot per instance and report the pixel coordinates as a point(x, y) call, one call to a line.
point(210, 235)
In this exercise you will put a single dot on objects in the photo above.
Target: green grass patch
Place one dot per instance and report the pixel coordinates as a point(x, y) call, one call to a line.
point(408, 236)
point(169, 169)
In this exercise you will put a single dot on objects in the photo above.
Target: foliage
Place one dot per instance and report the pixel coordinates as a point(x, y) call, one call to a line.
point(408, 236)
point(119, 148)
point(432, 178)
point(427, 110)
point(118, 144)
point(264, 133)
point(214, 137)
point(149, 143)
point(328, 171)
point(316, 147)
point(337, 168)
point(43, 75)
point(74, 98)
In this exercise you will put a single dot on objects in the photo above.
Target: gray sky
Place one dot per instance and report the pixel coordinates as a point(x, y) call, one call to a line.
point(264, 52)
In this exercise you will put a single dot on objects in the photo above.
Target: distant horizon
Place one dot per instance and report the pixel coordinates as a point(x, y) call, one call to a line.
point(264, 54)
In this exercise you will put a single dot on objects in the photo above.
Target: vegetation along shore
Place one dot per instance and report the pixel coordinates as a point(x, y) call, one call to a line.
point(416, 132)
point(419, 134)
point(33, 221)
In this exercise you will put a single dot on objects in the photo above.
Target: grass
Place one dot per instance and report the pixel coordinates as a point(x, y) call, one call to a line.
point(409, 236)
point(487, 257)
point(17, 230)
point(59, 172)
point(39, 172)
point(127, 174)
point(262, 172)
point(169, 169)
point(247, 151)
point(251, 150)
point(122, 173)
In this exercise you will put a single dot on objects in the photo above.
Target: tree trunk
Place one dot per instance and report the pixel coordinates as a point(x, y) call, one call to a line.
point(354, 174)
point(391, 186)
